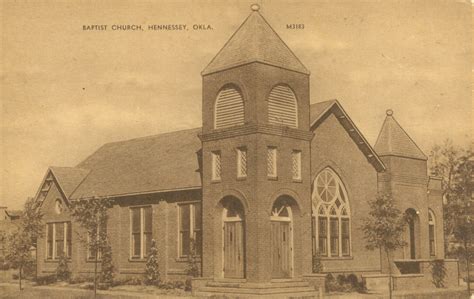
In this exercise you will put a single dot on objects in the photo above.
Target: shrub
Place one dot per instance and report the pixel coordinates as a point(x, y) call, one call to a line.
point(103, 286)
point(152, 271)
point(344, 283)
point(171, 285)
point(471, 278)
point(438, 273)
point(193, 265)
point(107, 267)
point(62, 271)
point(80, 279)
point(15, 276)
point(127, 281)
point(4, 266)
point(192, 269)
point(29, 269)
point(317, 265)
point(45, 280)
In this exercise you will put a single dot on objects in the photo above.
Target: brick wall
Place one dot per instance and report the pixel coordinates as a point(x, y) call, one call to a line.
point(257, 192)
point(165, 232)
point(332, 147)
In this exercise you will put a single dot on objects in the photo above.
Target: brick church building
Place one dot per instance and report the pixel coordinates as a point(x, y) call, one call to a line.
point(267, 181)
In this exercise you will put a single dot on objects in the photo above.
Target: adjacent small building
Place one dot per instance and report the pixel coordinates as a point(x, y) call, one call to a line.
point(8, 224)
point(268, 181)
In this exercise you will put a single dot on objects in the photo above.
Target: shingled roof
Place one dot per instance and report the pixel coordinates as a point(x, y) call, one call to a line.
point(158, 163)
point(394, 141)
point(255, 41)
point(69, 178)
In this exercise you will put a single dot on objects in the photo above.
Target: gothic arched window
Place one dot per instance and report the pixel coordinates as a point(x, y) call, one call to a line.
point(229, 108)
point(432, 232)
point(282, 107)
point(331, 216)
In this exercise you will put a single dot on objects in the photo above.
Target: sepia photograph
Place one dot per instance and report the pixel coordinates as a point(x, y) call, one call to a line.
point(236, 149)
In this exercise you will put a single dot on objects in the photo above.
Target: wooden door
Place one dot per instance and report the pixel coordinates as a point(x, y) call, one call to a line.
point(281, 249)
point(233, 249)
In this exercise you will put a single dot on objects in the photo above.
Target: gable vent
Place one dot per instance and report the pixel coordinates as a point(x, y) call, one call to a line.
point(229, 110)
point(282, 108)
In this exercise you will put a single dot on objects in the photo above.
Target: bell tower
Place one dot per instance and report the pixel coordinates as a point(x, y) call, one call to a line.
point(256, 158)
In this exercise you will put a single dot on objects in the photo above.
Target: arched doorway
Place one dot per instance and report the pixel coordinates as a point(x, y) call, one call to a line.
point(233, 238)
point(412, 233)
point(282, 238)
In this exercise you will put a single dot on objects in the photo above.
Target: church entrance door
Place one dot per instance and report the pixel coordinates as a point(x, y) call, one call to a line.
point(282, 241)
point(233, 237)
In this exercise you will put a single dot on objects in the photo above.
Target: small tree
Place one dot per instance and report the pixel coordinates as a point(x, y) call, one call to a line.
point(452, 164)
point(152, 271)
point(384, 228)
point(19, 242)
point(464, 232)
point(62, 271)
point(91, 214)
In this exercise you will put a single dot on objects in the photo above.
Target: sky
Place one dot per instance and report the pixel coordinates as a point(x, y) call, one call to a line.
point(66, 91)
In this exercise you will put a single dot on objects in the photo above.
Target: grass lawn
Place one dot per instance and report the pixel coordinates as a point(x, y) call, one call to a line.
point(61, 291)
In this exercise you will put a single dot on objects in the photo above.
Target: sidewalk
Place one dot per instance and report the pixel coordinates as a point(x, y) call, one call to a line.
point(9, 290)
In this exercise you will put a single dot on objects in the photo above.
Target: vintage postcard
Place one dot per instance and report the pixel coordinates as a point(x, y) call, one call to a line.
point(236, 149)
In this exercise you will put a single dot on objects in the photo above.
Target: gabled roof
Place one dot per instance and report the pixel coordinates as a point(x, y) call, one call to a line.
point(320, 111)
point(158, 163)
point(69, 178)
point(255, 40)
point(394, 141)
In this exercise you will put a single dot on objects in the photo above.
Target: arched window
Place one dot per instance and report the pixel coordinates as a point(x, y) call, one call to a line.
point(432, 232)
point(229, 108)
point(282, 107)
point(331, 216)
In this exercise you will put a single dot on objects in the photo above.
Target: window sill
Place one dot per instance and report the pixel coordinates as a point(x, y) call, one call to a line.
point(184, 259)
point(241, 178)
point(272, 178)
point(215, 181)
point(93, 261)
point(337, 258)
point(297, 181)
point(55, 260)
point(137, 260)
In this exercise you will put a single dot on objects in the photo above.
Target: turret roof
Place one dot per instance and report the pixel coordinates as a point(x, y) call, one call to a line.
point(255, 41)
point(394, 141)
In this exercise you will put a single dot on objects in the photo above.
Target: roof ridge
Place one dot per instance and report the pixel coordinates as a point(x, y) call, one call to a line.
point(372, 155)
point(327, 101)
point(152, 136)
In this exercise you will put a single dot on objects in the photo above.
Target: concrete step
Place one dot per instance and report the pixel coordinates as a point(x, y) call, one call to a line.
point(249, 291)
point(299, 295)
point(249, 285)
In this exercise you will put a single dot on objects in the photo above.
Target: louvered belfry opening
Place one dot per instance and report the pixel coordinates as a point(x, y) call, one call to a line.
point(282, 109)
point(229, 109)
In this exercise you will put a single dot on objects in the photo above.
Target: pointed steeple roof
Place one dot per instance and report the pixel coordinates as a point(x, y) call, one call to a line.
point(255, 40)
point(394, 141)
